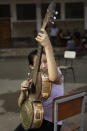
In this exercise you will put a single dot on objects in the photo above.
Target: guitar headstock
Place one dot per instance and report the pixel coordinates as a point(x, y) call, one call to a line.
point(50, 14)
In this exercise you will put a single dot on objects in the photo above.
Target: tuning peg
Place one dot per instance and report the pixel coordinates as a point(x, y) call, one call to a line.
point(52, 22)
point(54, 17)
point(56, 12)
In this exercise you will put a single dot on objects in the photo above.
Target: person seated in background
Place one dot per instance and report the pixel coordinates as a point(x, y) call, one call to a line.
point(84, 42)
point(83, 45)
point(77, 34)
point(60, 38)
point(70, 45)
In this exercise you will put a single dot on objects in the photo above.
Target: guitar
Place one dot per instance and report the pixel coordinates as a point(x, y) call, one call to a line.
point(31, 112)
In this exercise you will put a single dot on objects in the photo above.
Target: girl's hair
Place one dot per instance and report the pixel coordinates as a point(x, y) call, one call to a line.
point(32, 55)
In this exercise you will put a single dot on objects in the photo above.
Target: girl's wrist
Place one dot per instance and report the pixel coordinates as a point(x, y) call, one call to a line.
point(48, 46)
point(23, 93)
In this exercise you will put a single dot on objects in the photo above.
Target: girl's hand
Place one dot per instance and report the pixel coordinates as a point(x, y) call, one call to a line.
point(25, 85)
point(43, 38)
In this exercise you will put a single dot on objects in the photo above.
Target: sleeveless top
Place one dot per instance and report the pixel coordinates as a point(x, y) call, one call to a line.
point(56, 91)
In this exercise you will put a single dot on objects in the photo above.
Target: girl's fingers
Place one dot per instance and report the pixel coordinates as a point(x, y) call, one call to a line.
point(30, 81)
point(25, 84)
point(23, 89)
point(39, 39)
point(42, 30)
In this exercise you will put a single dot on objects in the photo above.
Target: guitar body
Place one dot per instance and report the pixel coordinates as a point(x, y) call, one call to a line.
point(31, 114)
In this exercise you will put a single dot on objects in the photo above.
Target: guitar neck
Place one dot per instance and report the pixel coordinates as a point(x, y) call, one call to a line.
point(48, 15)
point(39, 54)
point(37, 67)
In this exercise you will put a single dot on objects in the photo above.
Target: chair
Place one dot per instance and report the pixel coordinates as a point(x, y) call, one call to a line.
point(68, 106)
point(69, 56)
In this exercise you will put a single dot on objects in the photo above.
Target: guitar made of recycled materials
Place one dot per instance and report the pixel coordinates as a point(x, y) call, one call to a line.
point(31, 112)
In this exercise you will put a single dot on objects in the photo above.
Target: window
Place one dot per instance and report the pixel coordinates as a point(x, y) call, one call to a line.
point(26, 11)
point(74, 10)
point(4, 10)
point(44, 9)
